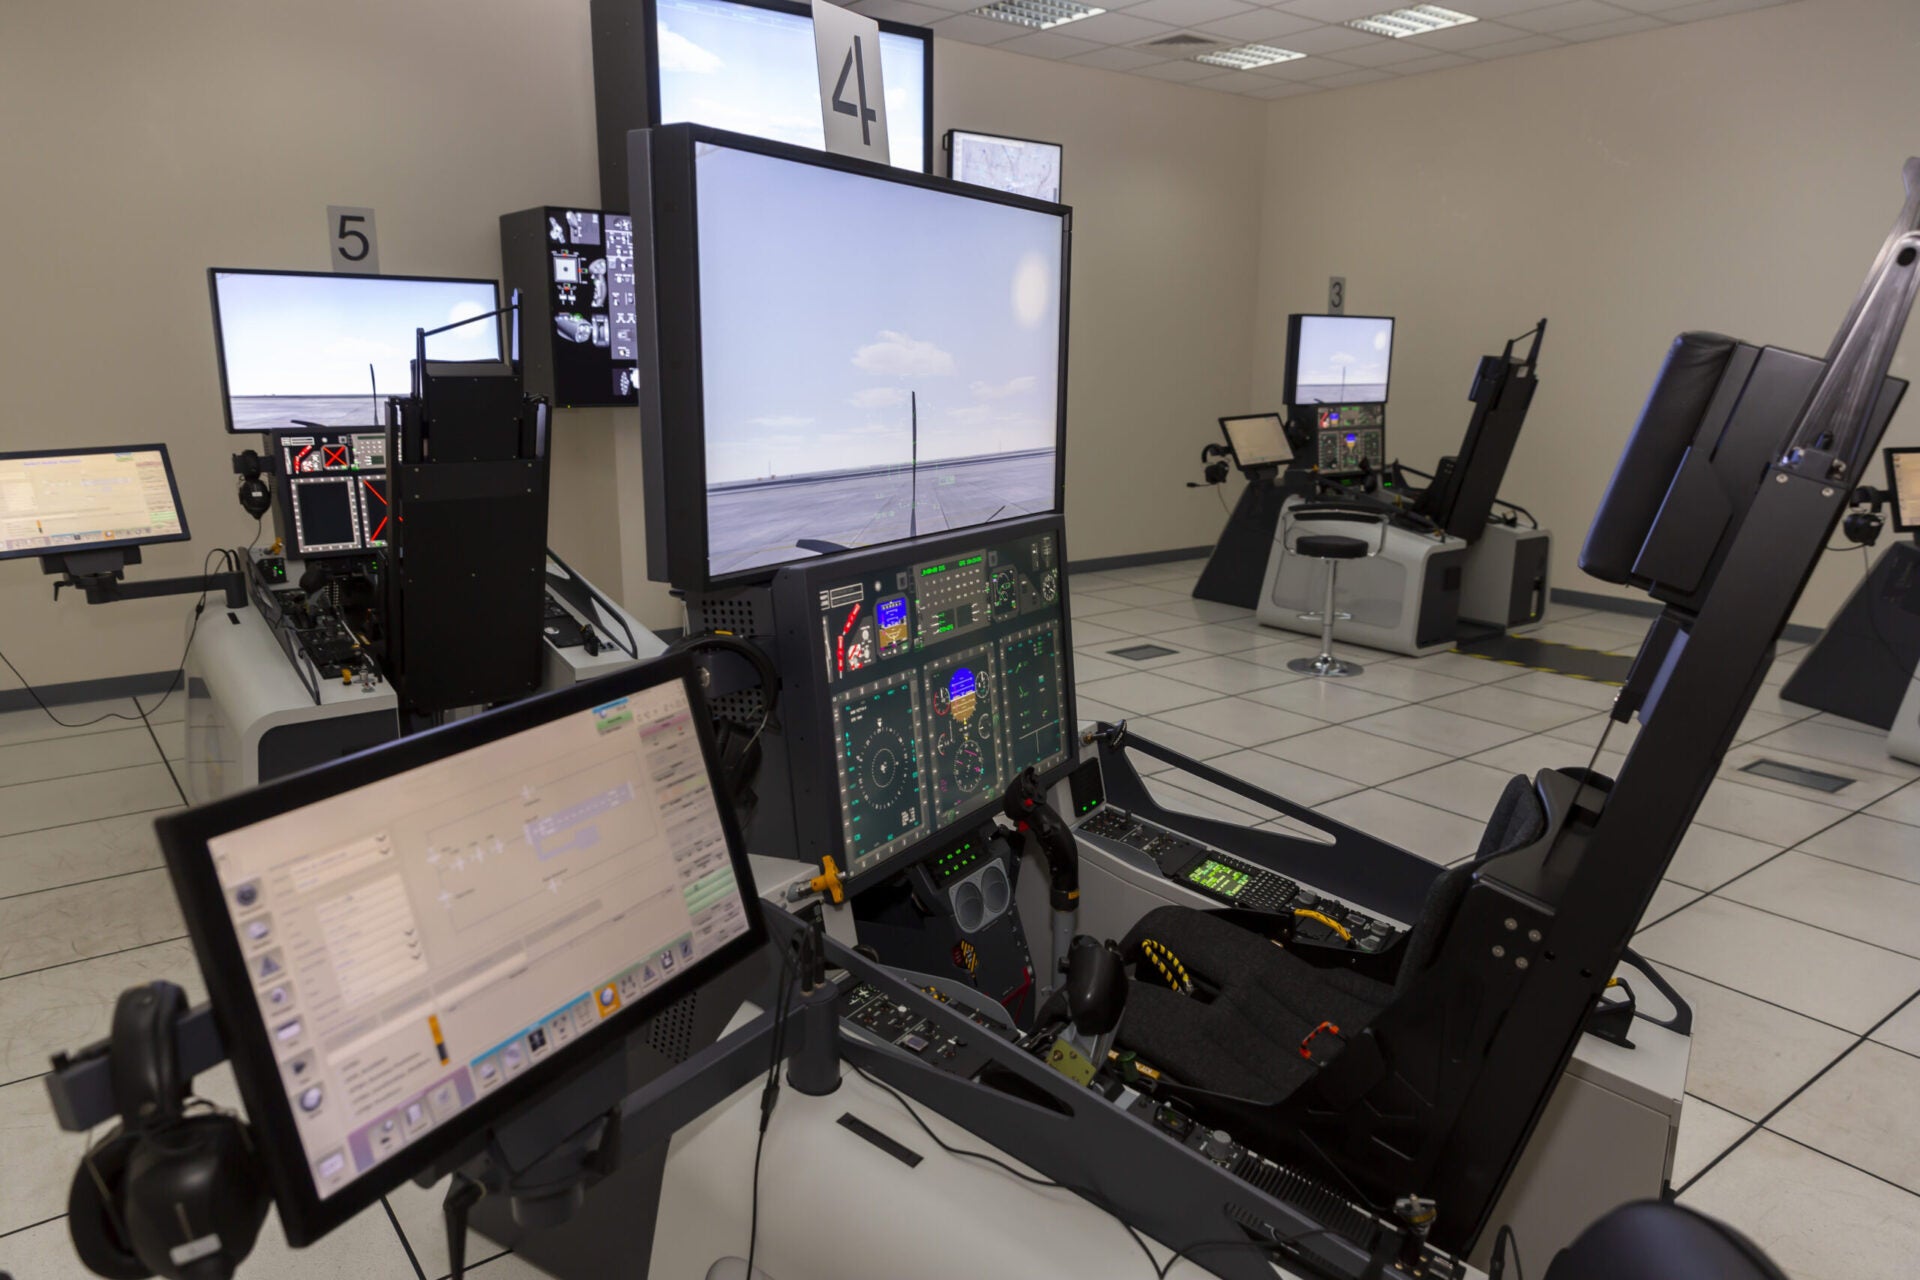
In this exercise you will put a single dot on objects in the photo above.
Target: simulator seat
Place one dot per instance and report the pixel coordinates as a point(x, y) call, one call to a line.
point(1261, 1016)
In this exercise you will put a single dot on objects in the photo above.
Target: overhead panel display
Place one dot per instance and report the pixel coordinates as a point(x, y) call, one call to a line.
point(751, 69)
point(881, 361)
point(306, 351)
point(946, 678)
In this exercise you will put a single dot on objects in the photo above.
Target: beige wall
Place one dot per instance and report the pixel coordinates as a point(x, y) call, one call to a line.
point(145, 142)
point(1735, 175)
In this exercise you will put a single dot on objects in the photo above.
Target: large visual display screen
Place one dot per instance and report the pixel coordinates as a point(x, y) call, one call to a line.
point(880, 360)
point(416, 944)
point(1340, 360)
point(87, 499)
point(752, 70)
point(947, 677)
point(303, 350)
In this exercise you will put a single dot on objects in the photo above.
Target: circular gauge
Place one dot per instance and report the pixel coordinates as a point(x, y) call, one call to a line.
point(969, 769)
point(942, 700)
point(884, 763)
point(982, 726)
point(1050, 585)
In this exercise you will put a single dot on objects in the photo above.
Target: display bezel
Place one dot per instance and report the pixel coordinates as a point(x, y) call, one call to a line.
point(650, 17)
point(173, 487)
point(1060, 167)
point(1893, 490)
point(184, 837)
point(672, 377)
point(1291, 389)
point(807, 709)
point(220, 341)
point(1227, 433)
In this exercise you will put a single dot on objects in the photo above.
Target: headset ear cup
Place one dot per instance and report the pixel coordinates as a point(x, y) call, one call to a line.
point(93, 1221)
point(198, 1175)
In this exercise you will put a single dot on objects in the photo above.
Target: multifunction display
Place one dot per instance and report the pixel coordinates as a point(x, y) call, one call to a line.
point(949, 677)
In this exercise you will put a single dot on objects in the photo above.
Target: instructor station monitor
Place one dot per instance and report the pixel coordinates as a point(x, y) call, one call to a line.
point(60, 501)
point(1903, 481)
point(1257, 440)
point(1338, 359)
point(882, 361)
point(316, 351)
point(405, 945)
point(937, 674)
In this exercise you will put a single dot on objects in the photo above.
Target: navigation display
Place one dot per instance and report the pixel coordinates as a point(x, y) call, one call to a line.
point(945, 678)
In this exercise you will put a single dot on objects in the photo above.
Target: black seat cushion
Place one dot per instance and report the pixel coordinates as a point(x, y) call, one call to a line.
point(1329, 546)
point(1651, 1240)
point(1254, 1001)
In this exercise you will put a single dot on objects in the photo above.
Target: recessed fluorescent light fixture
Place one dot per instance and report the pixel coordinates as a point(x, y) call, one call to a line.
point(1414, 21)
point(1037, 14)
point(1248, 56)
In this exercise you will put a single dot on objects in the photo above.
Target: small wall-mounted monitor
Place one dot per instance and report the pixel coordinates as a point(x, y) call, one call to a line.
point(1903, 481)
point(59, 501)
point(1258, 440)
point(836, 390)
point(572, 270)
point(1338, 359)
point(749, 66)
point(407, 945)
point(301, 350)
point(1018, 165)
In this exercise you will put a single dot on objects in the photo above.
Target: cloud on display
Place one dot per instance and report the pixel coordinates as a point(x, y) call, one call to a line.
point(947, 300)
point(899, 355)
point(753, 71)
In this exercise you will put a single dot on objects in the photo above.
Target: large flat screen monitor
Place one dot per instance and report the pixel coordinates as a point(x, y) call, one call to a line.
point(934, 675)
point(304, 349)
point(881, 361)
point(1338, 359)
point(749, 66)
point(59, 501)
point(1024, 167)
point(404, 946)
point(1903, 481)
point(1258, 440)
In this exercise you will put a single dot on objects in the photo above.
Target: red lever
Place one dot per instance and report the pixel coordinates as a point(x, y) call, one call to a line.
point(1307, 1052)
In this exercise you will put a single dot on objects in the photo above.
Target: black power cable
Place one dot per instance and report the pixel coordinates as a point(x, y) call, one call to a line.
point(770, 1090)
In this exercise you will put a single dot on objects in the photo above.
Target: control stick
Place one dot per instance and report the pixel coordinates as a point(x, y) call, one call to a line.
point(1025, 802)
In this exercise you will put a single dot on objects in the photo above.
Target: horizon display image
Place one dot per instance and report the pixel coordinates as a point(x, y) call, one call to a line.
point(311, 349)
point(880, 361)
point(751, 70)
point(1343, 360)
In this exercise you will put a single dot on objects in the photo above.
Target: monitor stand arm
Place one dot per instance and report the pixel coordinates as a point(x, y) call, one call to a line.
point(101, 577)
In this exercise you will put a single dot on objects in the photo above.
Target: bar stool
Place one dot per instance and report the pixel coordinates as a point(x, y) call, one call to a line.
point(1331, 548)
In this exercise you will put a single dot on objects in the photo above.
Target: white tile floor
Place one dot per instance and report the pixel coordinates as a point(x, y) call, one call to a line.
point(1786, 918)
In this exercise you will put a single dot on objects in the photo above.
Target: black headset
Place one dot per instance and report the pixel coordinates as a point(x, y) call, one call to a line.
point(1214, 458)
point(739, 741)
point(166, 1193)
point(1863, 528)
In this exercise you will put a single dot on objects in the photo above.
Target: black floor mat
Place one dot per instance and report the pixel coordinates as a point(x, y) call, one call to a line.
point(1544, 655)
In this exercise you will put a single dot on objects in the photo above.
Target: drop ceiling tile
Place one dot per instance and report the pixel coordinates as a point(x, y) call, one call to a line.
point(1507, 48)
point(1262, 26)
point(1561, 17)
point(1382, 53)
point(1336, 10)
point(1117, 28)
point(1331, 40)
point(977, 30)
point(1183, 71)
point(1716, 9)
point(1433, 62)
point(1461, 39)
point(1652, 6)
point(1186, 13)
point(1238, 82)
point(919, 15)
point(963, 6)
point(1116, 60)
point(1049, 44)
point(1484, 9)
point(1283, 90)
point(1348, 79)
point(1617, 27)
point(1299, 69)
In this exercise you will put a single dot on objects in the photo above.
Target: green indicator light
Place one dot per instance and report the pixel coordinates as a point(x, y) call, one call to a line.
point(961, 564)
point(932, 569)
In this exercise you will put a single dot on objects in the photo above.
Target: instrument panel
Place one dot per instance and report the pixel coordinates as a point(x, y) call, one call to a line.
point(335, 492)
point(1350, 438)
point(946, 678)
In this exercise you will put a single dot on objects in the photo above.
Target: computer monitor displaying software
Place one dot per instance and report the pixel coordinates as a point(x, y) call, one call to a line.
point(66, 500)
point(1258, 440)
point(414, 945)
point(1903, 481)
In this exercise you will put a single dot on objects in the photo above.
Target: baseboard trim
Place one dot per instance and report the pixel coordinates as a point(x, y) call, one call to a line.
point(1102, 563)
point(1650, 609)
point(88, 690)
